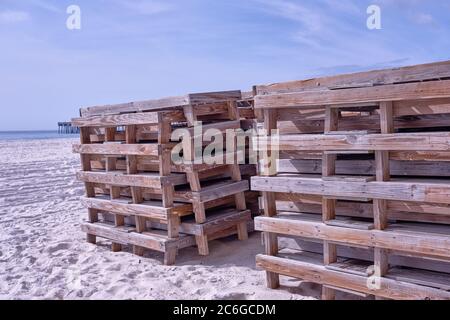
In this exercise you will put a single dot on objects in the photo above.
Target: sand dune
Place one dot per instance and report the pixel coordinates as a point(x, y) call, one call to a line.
point(43, 253)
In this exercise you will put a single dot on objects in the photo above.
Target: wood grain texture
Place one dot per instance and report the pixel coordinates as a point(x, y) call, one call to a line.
point(117, 120)
point(396, 92)
point(396, 237)
point(433, 141)
point(362, 79)
point(118, 149)
point(144, 180)
point(409, 190)
point(318, 273)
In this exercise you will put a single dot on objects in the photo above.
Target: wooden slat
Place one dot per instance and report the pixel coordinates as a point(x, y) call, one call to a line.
point(118, 149)
point(117, 120)
point(212, 97)
point(396, 92)
point(421, 107)
point(318, 273)
point(150, 240)
point(144, 180)
point(217, 222)
point(220, 191)
point(152, 210)
point(433, 141)
point(397, 210)
point(393, 238)
point(363, 79)
point(367, 167)
point(295, 126)
point(366, 254)
point(409, 190)
point(421, 277)
point(218, 126)
point(138, 106)
point(420, 156)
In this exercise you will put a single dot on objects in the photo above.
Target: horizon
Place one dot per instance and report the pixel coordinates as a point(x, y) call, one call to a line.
point(133, 50)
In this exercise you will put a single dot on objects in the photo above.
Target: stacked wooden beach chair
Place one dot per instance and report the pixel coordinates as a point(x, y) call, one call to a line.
point(136, 194)
point(362, 184)
point(248, 167)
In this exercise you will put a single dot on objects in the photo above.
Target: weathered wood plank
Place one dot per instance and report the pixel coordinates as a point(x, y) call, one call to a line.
point(393, 238)
point(137, 106)
point(362, 79)
point(218, 222)
point(118, 149)
point(213, 97)
point(396, 92)
point(117, 120)
point(220, 191)
point(317, 273)
point(144, 180)
point(409, 190)
point(151, 240)
point(367, 167)
point(433, 141)
point(152, 210)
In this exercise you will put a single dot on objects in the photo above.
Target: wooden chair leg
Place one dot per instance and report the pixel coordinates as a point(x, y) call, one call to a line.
point(202, 244)
point(328, 293)
point(139, 251)
point(242, 231)
point(170, 256)
point(194, 181)
point(91, 238)
point(273, 280)
point(173, 226)
point(240, 201)
point(200, 212)
point(119, 221)
point(116, 247)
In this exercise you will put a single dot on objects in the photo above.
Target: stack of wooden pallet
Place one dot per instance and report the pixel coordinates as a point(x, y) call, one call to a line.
point(249, 168)
point(362, 184)
point(136, 194)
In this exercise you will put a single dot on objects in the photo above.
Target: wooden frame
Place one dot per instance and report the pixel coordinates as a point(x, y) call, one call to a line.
point(338, 183)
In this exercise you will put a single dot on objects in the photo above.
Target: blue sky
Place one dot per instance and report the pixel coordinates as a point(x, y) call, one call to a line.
point(142, 49)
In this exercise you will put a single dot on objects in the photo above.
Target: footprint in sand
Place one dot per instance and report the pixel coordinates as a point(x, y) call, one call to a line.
point(230, 296)
point(58, 247)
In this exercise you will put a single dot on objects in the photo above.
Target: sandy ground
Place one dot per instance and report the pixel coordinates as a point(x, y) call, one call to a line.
point(43, 253)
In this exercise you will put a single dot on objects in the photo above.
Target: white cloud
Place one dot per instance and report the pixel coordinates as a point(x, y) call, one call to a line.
point(13, 16)
point(309, 19)
point(146, 7)
point(423, 18)
point(46, 6)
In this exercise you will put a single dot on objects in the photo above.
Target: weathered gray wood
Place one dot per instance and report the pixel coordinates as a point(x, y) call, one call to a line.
point(367, 167)
point(299, 126)
point(395, 238)
point(119, 149)
point(433, 141)
point(119, 178)
point(409, 190)
point(213, 97)
point(362, 79)
point(152, 210)
point(395, 92)
point(315, 272)
point(162, 104)
point(152, 240)
point(117, 120)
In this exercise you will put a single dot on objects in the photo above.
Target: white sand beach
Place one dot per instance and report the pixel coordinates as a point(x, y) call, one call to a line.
point(44, 255)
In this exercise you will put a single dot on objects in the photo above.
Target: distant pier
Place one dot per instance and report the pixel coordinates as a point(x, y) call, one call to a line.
point(67, 128)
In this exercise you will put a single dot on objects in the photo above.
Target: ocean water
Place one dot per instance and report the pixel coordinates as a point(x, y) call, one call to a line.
point(34, 135)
